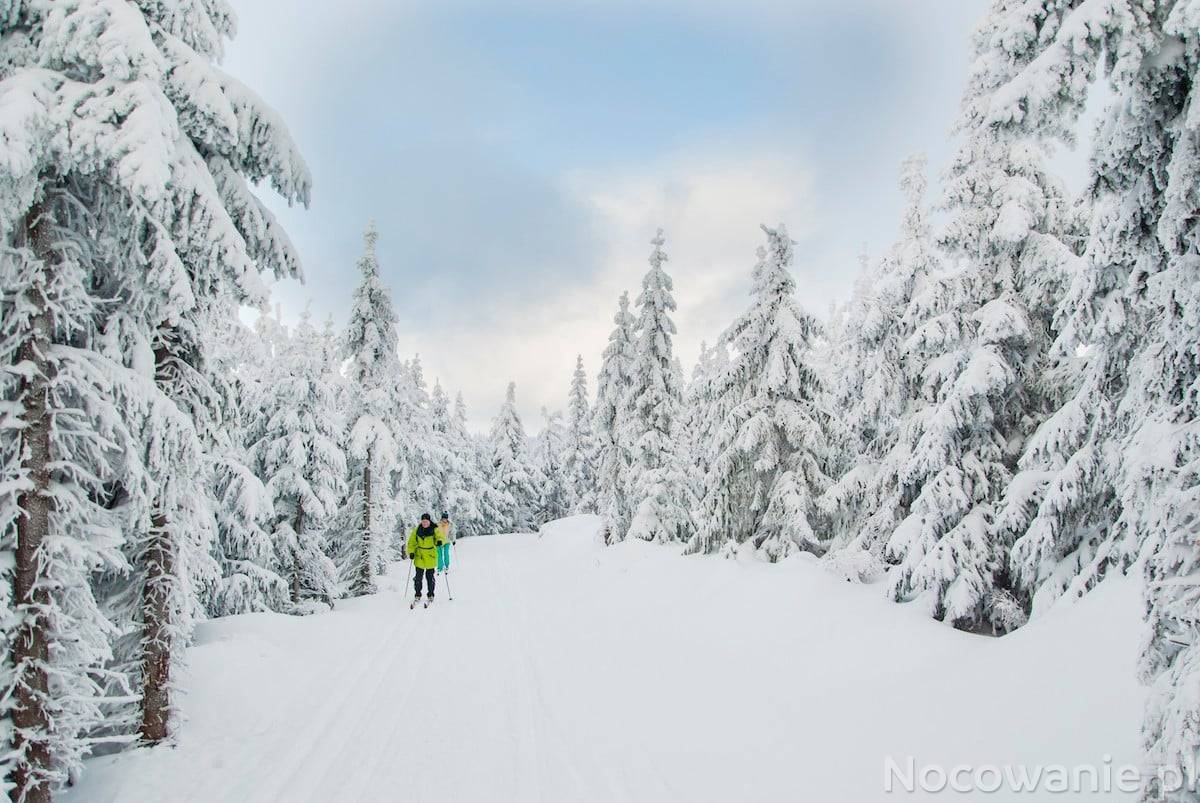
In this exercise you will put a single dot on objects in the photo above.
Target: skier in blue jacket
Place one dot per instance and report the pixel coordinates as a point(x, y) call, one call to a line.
point(444, 542)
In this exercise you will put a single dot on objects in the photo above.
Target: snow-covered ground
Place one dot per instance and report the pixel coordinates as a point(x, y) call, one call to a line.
point(565, 672)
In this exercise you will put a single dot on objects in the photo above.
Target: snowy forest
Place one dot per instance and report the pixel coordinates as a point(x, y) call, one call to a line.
point(1004, 414)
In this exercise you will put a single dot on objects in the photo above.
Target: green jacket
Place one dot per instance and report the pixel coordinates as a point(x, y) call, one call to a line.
point(423, 549)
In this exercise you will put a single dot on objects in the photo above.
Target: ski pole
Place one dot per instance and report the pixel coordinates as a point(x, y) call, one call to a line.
point(446, 579)
point(410, 575)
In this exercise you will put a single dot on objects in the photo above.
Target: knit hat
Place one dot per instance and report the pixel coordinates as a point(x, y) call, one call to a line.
point(445, 517)
point(426, 516)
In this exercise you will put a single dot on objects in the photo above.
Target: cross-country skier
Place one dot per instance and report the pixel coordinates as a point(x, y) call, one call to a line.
point(443, 549)
point(423, 548)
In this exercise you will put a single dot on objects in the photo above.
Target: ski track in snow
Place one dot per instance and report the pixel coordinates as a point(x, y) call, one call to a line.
point(321, 727)
point(565, 672)
point(540, 721)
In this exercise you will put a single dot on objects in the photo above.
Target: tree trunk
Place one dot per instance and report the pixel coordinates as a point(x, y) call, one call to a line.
point(297, 526)
point(156, 614)
point(156, 638)
point(30, 646)
point(366, 580)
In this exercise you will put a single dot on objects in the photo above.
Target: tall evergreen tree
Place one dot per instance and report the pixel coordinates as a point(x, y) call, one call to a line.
point(1161, 499)
point(579, 448)
point(415, 486)
point(1112, 474)
point(879, 379)
point(488, 505)
point(989, 349)
point(610, 422)
point(302, 461)
point(768, 466)
point(513, 473)
point(130, 160)
point(549, 460)
point(369, 346)
point(693, 419)
point(704, 412)
point(464, 491)
point(448, 476)
point(242, 367)
point(657, 485)
point(64, 435)
point(839, 358)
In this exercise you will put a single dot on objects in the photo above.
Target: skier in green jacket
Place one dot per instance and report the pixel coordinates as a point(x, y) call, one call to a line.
point(423, 543)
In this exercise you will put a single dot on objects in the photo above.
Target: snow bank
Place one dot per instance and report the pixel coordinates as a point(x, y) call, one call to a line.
point(564, 671)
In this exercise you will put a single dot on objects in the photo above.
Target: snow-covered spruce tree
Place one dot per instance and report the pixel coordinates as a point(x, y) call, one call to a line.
point(223, 242)
point(768, 466)
point(1160, 484)
point(421, 455)
point(441, 417)
point(241, 369)
point(70, 422)
point(340, 532)
point(513, 473)
point(580, 448)
point(369, 346)
point(840, 359)
point(549, 459)
point(988, 352)
point(449, 477)
point(693, 417)
point(124, 117)
point(1060, 506)
point(702, 416)
point(487, 505)
point(459, 417)
point(610, 421)
point(658, 487)
point(462, 488)
point(1112, 475)
point(879, 384)
point(302, 461)
point(702, 372)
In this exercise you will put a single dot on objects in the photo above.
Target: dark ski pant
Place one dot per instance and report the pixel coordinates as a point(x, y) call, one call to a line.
point(428, 574)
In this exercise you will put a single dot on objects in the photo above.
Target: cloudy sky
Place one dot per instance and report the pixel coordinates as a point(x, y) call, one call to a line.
point(518, 157)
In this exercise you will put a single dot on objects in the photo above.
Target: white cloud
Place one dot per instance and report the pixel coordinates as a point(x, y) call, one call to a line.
point(710, 203)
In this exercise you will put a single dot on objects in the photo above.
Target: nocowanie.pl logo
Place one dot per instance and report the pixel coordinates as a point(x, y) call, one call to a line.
point(908, 777)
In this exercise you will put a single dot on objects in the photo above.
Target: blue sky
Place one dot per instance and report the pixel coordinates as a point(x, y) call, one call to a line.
point(518, 157)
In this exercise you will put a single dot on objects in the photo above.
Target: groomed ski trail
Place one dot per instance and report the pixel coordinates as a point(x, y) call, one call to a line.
point(566, 672)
